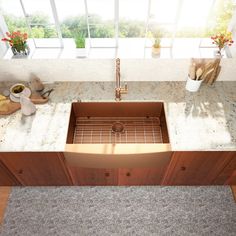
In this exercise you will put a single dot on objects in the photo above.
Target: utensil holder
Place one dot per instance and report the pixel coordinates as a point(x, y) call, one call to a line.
point(193, 85)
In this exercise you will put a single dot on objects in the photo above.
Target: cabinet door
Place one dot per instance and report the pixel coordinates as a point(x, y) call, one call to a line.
point(196, 168)
point(6, 178)
point(140, 176)
point(228, 174)
point(37, 168)
point(93, 176)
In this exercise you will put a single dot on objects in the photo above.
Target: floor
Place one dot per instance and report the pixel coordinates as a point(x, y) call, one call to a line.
point(4, 195)
point(120, 211)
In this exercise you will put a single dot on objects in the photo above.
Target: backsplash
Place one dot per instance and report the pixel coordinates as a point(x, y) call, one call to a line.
point(104, 69)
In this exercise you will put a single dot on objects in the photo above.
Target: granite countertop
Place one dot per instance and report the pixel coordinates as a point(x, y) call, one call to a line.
point(205, 120)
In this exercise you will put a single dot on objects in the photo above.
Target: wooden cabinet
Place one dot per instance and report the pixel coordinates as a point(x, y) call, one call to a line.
point(184, 168)
point(93, 176)
point(37, 168)
point(113, 177)
point(140, 176)
point(6, 178)
point(228, 174)
point(197, 168)
point(115, 170)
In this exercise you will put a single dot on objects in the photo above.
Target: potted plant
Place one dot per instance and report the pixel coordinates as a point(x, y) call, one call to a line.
point(18, 43)
point(222, 40)
point(80, 43)
point(157, 34)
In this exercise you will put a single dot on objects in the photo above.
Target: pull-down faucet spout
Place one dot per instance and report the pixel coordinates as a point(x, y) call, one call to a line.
point(119, 90)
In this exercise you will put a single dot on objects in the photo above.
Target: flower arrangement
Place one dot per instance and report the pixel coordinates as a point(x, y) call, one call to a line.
point(222, 39)
point(17, 41)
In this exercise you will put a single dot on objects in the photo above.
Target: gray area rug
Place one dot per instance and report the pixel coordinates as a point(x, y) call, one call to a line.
point(120, 211)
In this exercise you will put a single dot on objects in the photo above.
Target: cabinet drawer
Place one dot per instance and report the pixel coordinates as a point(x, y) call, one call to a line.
point(93, 176)
point(140, 176)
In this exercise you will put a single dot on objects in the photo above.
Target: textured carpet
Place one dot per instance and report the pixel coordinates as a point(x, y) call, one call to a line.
point(120, 211)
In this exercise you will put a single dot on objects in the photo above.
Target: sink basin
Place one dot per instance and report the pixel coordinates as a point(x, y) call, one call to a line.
point(99, 132)
point(113, 122)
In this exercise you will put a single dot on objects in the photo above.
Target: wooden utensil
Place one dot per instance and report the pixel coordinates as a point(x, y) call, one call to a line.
point(215, 72)
point(205, 74)
point(192, 71)
point(199, 73)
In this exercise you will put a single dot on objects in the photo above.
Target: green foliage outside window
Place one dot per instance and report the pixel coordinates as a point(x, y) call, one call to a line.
point(218, 22)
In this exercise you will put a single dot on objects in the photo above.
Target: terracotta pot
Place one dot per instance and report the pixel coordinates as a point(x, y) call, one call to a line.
point(156, 51)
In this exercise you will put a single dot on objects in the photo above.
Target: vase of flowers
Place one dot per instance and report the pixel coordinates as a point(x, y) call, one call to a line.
point(18, 43)
point(222, 40)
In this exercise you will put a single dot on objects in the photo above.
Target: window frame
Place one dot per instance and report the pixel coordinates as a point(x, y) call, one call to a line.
point(116, 23)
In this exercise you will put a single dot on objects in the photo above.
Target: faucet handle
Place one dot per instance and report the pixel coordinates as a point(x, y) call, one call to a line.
point(124, 90)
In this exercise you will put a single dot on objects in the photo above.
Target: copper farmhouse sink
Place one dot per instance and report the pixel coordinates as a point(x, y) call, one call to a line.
point(99, 132)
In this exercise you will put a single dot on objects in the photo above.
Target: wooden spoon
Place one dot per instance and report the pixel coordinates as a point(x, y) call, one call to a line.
point(192, 71)
point(199, 73)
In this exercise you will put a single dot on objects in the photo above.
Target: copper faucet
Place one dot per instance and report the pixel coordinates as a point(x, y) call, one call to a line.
point(119, 90)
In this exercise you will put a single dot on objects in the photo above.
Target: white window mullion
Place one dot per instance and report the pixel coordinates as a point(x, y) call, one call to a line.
point(56, 20)
point(116, 9)
point(176, 25)
point(147, 23)
point(87, 19)
point(3, 29)
point(207, 19)
point(27, 21)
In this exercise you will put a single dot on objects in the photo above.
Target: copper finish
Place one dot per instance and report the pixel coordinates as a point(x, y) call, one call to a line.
point(117, 130)
point(117, 155)
point(136, 122)
point(118, 127)
point(119, 90)
point(142, 140)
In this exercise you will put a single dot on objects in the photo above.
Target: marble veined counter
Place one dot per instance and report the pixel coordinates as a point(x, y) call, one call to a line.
point(205, 120)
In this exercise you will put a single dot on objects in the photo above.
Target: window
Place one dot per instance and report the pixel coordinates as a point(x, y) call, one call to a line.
point(101, 22)
point(72, 21)
point(112, 23)
point(132, 18)
point(39, 16)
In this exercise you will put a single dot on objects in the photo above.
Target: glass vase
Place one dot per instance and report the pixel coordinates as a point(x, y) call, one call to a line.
point(21, 53)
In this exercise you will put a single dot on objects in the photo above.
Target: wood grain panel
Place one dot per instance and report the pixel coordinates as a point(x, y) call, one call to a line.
point(232, 179)
point(228, 174)
point(6, 178)
point(93, 176)
point(233, 188)
point(37, 168)
point(4, 195)
point(196, 168)
point(140, 176)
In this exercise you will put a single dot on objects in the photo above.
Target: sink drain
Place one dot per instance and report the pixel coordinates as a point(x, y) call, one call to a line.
point(117, 127)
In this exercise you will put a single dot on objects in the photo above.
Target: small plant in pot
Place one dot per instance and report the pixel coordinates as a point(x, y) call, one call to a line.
point(156, 47)
point(157, 34)
point(80, 43)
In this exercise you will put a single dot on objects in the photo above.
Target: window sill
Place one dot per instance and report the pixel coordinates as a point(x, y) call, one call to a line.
point(127, 48)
